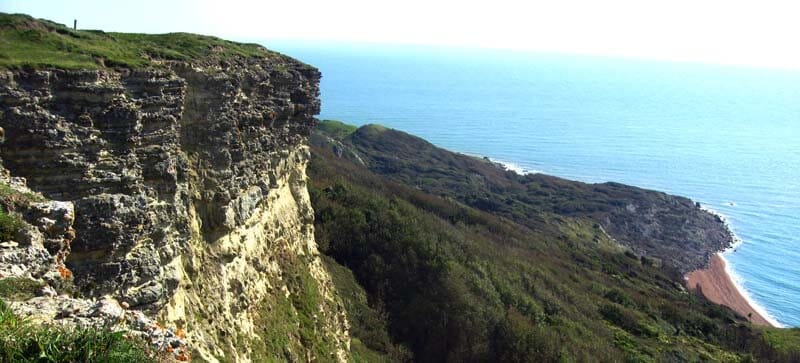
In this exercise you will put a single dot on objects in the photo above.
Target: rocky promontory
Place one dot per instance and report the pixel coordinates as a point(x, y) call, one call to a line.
point(176, 189)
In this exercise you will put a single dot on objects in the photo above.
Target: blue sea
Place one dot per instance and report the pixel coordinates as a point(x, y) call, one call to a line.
point(725, 136)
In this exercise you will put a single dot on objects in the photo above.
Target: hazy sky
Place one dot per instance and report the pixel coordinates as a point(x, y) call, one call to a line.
point(758, 32)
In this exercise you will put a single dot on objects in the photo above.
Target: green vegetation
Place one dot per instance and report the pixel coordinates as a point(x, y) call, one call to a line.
point(458, 283)
point(10, 200)
point(651, 223)
point(785, 342)
point(29, 42)
point(10, 195)
point(10, 223)
point(18, 288)
point(370, 338)
point(289, 325)
point(336, 129)
point(24, 341)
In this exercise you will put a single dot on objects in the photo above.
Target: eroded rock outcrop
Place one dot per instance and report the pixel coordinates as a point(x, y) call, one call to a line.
point(188, 187)
point(42, 233)
point(33, 272)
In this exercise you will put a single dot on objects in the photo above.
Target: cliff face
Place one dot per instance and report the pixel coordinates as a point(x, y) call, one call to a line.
point(189, 190)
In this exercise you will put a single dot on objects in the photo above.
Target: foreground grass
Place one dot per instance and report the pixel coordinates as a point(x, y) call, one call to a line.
point(25, 341)
point(35, 43)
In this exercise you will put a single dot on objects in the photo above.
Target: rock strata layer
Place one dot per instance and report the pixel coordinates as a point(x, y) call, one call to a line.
point(187, 187)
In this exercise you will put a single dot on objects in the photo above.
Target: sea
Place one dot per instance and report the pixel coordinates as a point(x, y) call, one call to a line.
point(728, 137)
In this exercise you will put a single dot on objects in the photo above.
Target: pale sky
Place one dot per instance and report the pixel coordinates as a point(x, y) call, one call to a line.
point(755, 33)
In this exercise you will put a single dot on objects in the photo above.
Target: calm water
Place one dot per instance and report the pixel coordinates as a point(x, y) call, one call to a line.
point(727, 137)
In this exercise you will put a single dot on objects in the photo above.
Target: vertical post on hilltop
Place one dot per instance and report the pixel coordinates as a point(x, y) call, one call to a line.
point(75, 24)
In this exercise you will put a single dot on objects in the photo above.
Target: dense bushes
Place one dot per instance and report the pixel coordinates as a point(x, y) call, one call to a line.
point(399, 260)
point(652, 223)
point(456, 283)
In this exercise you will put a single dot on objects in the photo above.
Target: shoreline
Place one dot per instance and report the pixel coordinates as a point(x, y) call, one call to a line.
point(717, 282)
point(746, 295)
point(727, 276)
point(718, 286)
point(519, 169)
point(506, 165)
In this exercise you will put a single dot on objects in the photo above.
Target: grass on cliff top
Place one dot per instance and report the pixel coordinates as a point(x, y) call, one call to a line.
point(24, 341)
point(336, 129)
point(26, 42)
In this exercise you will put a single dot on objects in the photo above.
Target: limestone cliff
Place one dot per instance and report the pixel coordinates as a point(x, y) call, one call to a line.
point(189, 191)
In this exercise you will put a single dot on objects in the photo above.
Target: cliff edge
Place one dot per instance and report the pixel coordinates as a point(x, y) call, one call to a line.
point(183, 159)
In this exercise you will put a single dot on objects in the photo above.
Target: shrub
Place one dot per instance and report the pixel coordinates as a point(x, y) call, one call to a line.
point(619, 297)
point(625, 319)
point(10, 224)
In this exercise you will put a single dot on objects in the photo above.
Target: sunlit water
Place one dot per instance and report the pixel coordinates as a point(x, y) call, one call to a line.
point(727, 137)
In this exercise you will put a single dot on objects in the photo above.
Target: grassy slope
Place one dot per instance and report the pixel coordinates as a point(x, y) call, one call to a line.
point(460, 284)
point(652, 223)
point(36, 43)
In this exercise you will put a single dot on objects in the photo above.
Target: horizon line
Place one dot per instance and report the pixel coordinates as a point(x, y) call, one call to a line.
point(267, 43)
